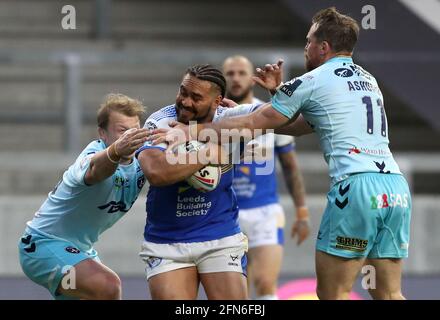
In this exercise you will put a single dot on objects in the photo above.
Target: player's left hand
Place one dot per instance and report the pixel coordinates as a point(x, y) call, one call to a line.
point(178, 134)
point(301, 228)
point(270, 76)
point(228, 103)
point(156, 136)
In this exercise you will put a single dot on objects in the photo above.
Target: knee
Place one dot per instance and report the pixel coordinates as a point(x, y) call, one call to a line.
point(322, 293)
point(109, 288)
point(265, 285)
point(333, 294)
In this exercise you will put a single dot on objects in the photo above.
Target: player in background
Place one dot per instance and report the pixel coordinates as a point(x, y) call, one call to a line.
point(192, 237)
point(368, 213)
point(261, 216)
point(56, 249)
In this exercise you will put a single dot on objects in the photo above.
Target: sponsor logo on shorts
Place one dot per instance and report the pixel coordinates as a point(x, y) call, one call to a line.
point(392, 200)
point(352, 244)
point(233, 263)
point(154, 262)
point(72, 250)
point(404, 246)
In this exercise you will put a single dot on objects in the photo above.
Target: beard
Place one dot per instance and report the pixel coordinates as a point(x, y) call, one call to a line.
point(309, 66)
point(185, 114)
point(239, 97)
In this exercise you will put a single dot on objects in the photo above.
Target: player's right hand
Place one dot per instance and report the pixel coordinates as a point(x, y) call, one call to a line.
point(270, 76)
point(130, 141)
point(300, 228)
point(228, 103)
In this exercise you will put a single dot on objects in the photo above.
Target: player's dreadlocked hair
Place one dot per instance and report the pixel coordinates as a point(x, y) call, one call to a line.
point(209, 73)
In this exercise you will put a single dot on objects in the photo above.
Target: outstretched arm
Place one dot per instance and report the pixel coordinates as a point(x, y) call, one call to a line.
point(263, 118)
point(103, 164)
point(221, 131)
point(297, 128)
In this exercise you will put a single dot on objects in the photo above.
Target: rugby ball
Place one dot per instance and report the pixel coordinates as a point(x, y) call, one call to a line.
point(207, 178)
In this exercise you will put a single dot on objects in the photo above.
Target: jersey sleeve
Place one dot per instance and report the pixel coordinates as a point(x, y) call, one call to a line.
point(74, 176)
point(284, 144)
point(293, 95)
point(240, 110)
point(152, 123)
point(237, 148)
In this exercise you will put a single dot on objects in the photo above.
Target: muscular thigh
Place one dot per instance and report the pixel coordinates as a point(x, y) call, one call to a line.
point(336, 275)
point(85, 278)
point(225, 285)
point(180, 284)
point(386, 279)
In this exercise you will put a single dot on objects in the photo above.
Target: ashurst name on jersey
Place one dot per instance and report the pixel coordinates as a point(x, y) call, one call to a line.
point(345, 106)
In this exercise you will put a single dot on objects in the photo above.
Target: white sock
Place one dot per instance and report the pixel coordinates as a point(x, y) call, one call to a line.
point(267, 297)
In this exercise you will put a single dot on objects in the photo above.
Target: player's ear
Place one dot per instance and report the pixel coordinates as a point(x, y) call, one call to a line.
point(102, 133)
point(218, 100)
point(325, 47)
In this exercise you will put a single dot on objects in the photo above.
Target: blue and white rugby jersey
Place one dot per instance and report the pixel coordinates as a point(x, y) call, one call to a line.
point(180, 213)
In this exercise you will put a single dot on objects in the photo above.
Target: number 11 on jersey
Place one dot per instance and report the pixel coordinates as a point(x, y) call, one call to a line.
point(367, 101)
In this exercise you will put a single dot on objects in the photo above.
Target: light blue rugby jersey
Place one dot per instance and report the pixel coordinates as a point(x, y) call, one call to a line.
point(79, 213)
point(345, 106)
point(253, 187)
point(180, 213)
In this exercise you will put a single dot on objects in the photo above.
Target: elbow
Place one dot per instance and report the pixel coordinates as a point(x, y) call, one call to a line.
point(155, 179)
point(91, 177)
point(155, 171)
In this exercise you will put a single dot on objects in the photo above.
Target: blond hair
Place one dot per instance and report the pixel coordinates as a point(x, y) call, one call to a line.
point(117, 102)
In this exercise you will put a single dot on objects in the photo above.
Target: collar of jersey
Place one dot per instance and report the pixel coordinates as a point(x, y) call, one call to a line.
point(339, 58)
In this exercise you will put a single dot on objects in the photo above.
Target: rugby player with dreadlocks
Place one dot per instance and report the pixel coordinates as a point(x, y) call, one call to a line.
point(192, 237)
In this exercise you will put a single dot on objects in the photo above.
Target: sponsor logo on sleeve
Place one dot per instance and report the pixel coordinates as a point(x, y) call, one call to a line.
point(290, 86)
